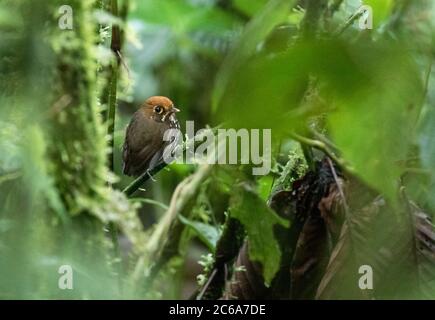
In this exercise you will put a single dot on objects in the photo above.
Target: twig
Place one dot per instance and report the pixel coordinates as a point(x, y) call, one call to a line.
point(153, 202)
point(340, 189)
point(358, 14)
point(115, 46)
point(207, 284)
point(348, 220)
point(144, 177)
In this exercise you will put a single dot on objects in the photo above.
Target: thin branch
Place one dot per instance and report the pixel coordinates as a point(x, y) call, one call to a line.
point(347, 226)
point(151, 201)
point(207, 284)
point(144, 177)
point(340, 189)
point(115, 46)
point(358, 14)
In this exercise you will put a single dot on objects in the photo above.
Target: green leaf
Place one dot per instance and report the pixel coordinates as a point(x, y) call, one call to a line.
point(208, 234)
point(264, 186)
point(371, 91)
point(381, 10)
point(250, 7)
point(374, 123)
point(256, 31)
point(259, 221)
point(6, 225)
point(265, 90)
point(182, 17)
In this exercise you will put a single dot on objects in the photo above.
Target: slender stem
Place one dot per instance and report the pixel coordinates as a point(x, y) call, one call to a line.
point(115, 46)
point(153, 202)
point(111, 112)
point(110, 118)
point(349, 22)
point(207, 284)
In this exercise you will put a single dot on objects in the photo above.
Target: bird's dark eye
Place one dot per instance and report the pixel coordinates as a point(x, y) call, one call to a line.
point(158, 109)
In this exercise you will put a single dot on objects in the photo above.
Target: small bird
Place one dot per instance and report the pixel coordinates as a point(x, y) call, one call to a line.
point(144, 145)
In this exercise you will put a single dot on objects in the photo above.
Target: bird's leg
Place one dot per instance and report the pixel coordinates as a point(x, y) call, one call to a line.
point(149, 175)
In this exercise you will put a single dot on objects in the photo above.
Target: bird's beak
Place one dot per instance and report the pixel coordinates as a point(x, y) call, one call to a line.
point(175, 110)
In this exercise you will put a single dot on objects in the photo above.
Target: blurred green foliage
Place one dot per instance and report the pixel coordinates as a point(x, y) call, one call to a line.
point(237, 63)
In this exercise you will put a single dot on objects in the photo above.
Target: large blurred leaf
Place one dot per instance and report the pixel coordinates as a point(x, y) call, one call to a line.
point(381, 10)
point(250, 7)
point(374, 92)
point(266, 91)
point(273, 13)
point(258, 220)
point(181, 16)
point(262, 92)
point(374, 125)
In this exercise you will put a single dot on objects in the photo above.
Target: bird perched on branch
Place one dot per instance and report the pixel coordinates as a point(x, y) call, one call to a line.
point(144, 140)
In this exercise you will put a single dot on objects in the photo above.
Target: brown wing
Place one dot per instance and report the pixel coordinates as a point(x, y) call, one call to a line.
point(141, 144)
